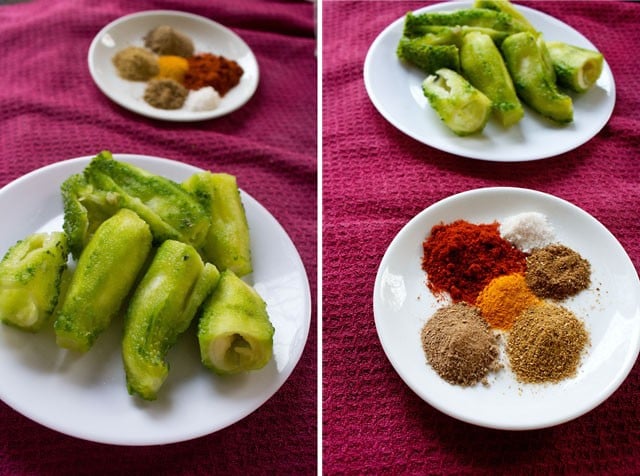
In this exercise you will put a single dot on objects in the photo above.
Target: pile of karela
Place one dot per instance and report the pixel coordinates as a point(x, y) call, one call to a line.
point(491, 51)
point(162, 254)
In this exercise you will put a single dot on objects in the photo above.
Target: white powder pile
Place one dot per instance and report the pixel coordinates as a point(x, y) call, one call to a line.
point(204, 99)
point(527, 231)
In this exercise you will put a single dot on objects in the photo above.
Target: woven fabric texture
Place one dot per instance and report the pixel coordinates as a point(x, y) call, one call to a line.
point(375, 179)
point(51, 110)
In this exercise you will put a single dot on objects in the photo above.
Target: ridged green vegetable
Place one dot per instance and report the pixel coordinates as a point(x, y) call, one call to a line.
point(528, 62)
point(30, 279)
point(227, 244)
point(415, 23)
point(234, 331)
point(85, 208)
point(426, 56)
point(463, 108)
point(482, 64)
point(576, 68)
point(161, 309)
point(452, 35)
point(506, 7)
point(105, 274)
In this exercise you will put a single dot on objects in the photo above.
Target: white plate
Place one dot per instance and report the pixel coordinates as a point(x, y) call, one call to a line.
point(610, 309)
point(395, 90)
point(208, 37)
point(86, 396)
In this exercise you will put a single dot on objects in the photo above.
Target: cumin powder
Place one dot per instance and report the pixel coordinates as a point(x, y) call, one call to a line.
point(557, 272)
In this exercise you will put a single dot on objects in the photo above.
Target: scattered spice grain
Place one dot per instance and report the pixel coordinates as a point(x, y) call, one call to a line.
point(557, 272)
point(459, 345)
point(546, 344)
point(504, 299)
point(165, 94)
point(135, 63)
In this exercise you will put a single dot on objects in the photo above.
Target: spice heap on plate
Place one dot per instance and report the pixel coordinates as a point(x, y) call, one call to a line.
point(177, 75)
point(512, 277)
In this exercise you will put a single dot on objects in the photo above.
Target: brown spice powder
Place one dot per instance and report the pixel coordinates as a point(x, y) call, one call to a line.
point(557, 272)
point(459, 345)
point(545, 344)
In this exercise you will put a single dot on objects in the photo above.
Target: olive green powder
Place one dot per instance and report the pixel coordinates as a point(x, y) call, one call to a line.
point(545, 344)
point(459, 345)
point(557, 272)
point(164, 40)
point(136, 64)
point(165, 94)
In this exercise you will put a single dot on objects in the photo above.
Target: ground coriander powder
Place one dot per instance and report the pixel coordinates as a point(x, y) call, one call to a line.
point(545, 344)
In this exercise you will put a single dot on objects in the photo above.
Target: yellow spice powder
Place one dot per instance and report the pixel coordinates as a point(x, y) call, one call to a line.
point(172, 67)
point(504, 299)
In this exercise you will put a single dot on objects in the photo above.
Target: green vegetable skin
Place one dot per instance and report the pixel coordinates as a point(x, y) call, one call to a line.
point(576, 68)
point(416, 24)
point(234, 330)
point(483, 66)
point(30, 279)
point(162, 307)
point(85, 208)
point(463, 108)
point(505, 6)
point(527, 60)
point(110, 185)
point(105, 273)
point(227, 244)
point(428, 57)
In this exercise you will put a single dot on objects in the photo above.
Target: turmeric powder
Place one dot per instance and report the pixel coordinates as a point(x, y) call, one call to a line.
point(504, 299)
point(172, 67)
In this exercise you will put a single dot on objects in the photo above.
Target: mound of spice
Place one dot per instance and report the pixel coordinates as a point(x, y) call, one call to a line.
point(461, 258)
point(135, 64)
point(165, 94)
point(207, 69)
point(546, 344)
point(504, 299)
point(557, 272)
point(164, 40)
point(527, 230)
point(173, 67)
point(459, 345)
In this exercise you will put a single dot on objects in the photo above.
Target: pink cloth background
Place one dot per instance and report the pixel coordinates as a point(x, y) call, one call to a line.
point(375, 179)
point(50, 110)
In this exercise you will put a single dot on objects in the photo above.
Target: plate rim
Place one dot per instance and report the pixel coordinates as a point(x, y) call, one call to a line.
point(608, 389)
point(456, 150)
point(86, 433)
point(165, 115)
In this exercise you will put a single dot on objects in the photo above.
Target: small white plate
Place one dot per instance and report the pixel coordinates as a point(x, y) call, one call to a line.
point(395, 90)
point(610, 309)
point(85, 395)
point(208, 37)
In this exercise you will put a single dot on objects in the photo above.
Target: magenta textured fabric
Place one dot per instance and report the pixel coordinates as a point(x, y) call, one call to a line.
point(375, 179)
point(50, 110)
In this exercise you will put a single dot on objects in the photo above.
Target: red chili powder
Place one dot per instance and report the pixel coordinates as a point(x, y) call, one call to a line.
point(461, 258)
point(207, 69)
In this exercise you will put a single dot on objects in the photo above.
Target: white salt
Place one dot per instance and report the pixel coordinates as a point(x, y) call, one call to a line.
point(204, 99)
point(527, 231)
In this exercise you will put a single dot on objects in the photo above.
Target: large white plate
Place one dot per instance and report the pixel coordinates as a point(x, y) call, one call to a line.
point(208, 37)
point(395, 90)
point(85, 395)
point(610, 309)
